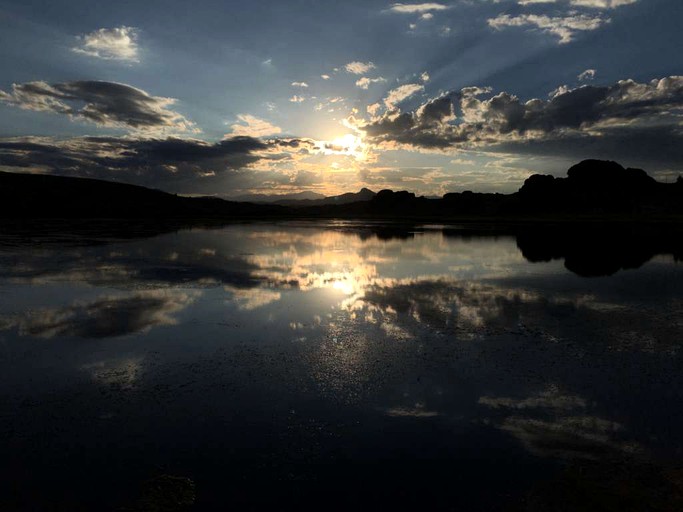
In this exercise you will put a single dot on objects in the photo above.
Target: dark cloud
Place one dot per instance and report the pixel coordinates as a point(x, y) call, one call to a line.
point(173, 164)
point(468, 119)
point(108, 157)
point(104, 103)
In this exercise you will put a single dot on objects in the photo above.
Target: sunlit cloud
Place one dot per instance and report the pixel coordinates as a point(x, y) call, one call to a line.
point(595, 4)
point(396, 96)
point(119, 43)
point(359, 68)
point(587, 75)
point(417, 8)
point(564, 28)
point(365, 82)
point(602, 4)
point(251, 126)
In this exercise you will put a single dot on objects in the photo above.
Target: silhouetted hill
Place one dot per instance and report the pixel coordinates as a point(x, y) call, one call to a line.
point(595, 186)
point(276, 198)
point(350, 197)
point(308, 198)
point(45, 196)
point(592, 188)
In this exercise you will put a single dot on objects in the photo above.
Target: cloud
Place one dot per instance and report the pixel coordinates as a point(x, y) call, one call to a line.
point(144, 161)
point(299, 84)
point(107, 104)
point(587, 75)
point(297, 99)
point(417, 8)
point(373, 109)
point(110, 44)
point(365, 82)
point(595, 4)
point(172, 164)
point(358, 68)
point(325, 77)
point(396, 96)
point(564, 27)
point(474, 118)
point(253, 127)
point(602, 4)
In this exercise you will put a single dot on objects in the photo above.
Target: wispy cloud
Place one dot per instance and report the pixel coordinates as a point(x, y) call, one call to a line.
point(396, 96)
point(251, 126)
point(595, 4)
point(564, 27)
point(119, 43)
point(417, 8)
point(602, 4)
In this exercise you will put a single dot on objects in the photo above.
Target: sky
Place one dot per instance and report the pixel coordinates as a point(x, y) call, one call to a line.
point(226, 98)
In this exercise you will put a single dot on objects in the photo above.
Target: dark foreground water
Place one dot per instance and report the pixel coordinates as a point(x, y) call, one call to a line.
point(336, 366)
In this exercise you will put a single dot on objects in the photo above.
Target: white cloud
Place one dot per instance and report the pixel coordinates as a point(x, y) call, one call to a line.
point(564, 27)
point(110, 44)
point(325, 77)
point(358, 68)
point(589, 74)
point(401, 93)
point(297, 99)
point(299, 84)
point(424, 77)
point(365, 82)
point(417, 8)
point(253, 127)
point(595, 4)
point(602, 4)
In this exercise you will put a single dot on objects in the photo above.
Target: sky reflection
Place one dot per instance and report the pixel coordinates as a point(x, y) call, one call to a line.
point(337, 341)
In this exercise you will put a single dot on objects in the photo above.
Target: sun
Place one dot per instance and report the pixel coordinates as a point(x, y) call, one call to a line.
point(349, 145)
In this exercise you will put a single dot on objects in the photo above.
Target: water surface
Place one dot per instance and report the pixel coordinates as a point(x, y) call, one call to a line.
point(334, 365)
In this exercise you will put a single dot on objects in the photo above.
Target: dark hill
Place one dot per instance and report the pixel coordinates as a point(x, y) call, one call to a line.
point(45, 196)
point(592, 188)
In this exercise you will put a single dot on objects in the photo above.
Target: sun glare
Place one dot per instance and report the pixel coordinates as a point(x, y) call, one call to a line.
point(349, 145)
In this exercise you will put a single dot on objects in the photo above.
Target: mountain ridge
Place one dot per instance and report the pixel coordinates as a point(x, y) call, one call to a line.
point(591, 188)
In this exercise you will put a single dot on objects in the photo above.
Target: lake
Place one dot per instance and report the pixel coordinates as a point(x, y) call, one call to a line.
point(339, 365)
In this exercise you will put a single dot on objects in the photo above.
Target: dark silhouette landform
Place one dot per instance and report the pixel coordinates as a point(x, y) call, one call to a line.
point(599, 220)
point(601, 190)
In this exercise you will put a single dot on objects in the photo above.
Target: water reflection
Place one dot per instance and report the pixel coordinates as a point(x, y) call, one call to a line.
point(104, 317)
point(270, 351)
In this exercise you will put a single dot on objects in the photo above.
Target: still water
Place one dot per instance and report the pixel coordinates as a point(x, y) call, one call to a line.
point(336, 366)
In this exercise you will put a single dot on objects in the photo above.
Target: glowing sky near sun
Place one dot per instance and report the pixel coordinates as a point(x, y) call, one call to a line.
point(231, 98)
